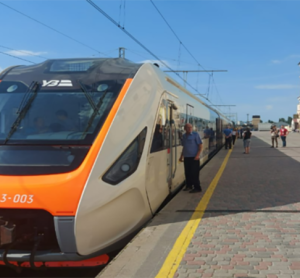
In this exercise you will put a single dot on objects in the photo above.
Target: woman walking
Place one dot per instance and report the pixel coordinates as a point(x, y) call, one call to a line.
point(283, 134)
point(274, 136)
point(247, 138)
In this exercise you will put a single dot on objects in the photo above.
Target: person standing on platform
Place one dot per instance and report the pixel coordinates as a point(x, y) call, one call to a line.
point(242, 133)
point(228, 137)
point(283, 133)
point(274, 135)
point(234, 132)
point(247, 139)
point(192, 148)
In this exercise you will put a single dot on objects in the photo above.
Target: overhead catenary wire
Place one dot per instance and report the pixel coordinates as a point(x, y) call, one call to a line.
point(139, 43)
point(137, 53)
point(51, 28)
point(209, 83)
point(180, 41)
point(213, 80)
point(198, 80)
point(122, 7)
point(179, 56)
point(124, 11)
point(171, 59)
point(17, 57)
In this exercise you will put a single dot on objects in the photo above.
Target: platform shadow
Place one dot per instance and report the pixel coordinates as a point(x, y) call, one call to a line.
point(265, 181)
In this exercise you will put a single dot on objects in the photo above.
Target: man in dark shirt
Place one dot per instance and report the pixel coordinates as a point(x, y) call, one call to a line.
point(192, 148)
point(228, 137)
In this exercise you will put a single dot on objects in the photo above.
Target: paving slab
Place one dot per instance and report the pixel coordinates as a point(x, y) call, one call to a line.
point(250, 228)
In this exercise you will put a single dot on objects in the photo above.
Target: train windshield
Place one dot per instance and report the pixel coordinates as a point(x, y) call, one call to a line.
point(34, 115)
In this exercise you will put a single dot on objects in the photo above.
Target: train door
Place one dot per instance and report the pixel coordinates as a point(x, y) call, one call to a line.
point(172, 144)
point(162, 173)
point(157, 171)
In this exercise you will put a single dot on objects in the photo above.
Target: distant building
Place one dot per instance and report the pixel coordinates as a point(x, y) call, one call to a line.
point(279, 124)
point(297, 122)
point(264, 126)
point(255, 121)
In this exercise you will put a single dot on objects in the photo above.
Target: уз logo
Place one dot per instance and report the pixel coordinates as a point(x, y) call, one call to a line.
point(59, 83)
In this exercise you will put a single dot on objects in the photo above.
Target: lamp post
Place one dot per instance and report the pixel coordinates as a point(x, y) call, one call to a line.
point(298, 110)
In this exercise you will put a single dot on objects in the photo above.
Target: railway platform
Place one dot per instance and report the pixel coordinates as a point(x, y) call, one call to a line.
point(245, 223)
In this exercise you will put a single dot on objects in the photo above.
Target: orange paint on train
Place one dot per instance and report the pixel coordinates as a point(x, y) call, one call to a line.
point(58, 194)
point(100, 260)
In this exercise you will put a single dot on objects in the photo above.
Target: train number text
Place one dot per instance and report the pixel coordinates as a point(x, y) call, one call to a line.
point(18, 198)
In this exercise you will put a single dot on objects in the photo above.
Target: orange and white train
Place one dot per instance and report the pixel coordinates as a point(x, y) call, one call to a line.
point(89, 150)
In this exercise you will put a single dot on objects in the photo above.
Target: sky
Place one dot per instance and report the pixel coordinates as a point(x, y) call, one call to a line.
point(256, 42)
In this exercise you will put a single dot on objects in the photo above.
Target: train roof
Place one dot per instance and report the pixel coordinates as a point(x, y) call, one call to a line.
point(176, 84)
point(90, 70)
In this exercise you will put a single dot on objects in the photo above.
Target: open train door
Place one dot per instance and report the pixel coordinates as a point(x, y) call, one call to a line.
point(163, 159)
point(173, 152)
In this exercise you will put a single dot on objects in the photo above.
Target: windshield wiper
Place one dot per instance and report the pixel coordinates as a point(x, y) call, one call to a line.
point(24, 107)
point(88, 96)
point(91, 120)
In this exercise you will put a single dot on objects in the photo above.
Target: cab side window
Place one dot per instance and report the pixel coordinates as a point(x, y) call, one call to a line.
point(160, 131)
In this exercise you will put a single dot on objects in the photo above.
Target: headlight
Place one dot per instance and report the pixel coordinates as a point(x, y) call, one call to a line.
point(128, 162)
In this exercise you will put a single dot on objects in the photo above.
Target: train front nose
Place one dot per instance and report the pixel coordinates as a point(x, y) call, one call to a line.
point(35, 238)
point(23, 227)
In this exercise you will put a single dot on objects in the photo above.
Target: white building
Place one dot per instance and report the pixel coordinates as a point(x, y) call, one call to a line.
point(296, 121)
point(298, 112)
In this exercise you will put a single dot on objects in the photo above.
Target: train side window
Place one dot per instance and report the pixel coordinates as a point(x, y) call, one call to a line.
point(180, 128)
point(176, 129)
point(192, 122)
point(198, 125)
point(189, 113)
point(167, 127)
point(159, 134)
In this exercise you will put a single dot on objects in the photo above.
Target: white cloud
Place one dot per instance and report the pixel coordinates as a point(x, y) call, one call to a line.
point(159, 62)
point(269, 107)
point(276, 87)
point(24, 53)
point(276, 62)
point(285, 59)
point(282, 99)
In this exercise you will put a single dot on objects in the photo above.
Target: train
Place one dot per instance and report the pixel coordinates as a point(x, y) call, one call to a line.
point(89, 151)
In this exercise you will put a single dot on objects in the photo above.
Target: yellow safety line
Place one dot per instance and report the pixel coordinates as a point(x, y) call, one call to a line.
point(175, 256)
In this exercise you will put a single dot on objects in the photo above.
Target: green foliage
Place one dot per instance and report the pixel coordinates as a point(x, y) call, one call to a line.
point(282, 120)
point(271, 122)
point(289, 120)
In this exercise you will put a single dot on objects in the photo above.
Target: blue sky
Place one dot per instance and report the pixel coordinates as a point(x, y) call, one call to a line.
point(257, 42)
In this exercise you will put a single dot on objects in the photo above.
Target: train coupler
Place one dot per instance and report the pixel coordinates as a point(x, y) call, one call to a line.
point(7, 232)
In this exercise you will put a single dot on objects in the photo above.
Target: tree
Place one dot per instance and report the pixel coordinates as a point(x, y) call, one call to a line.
point(282, 120)
point(261, 121)
point(271, 122)
point(290, 120)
